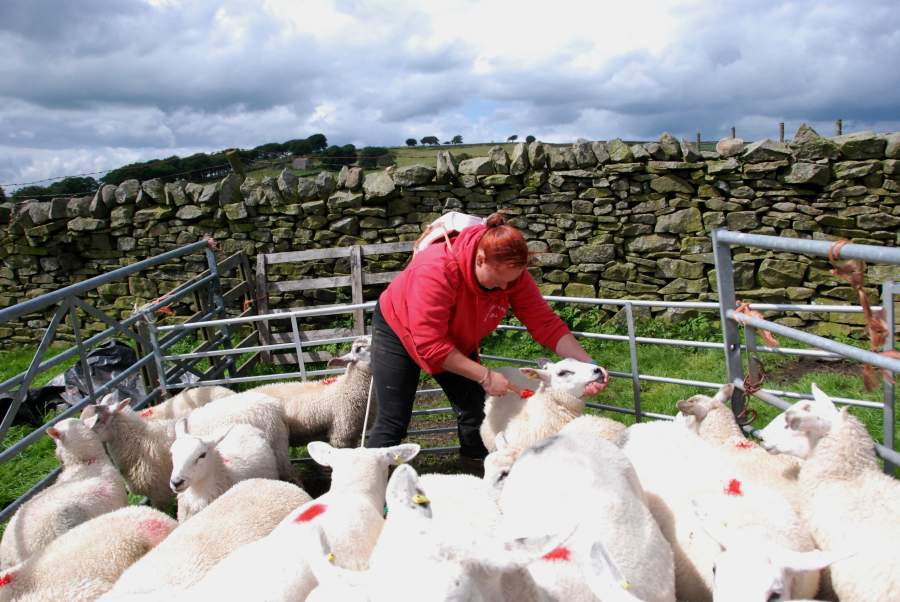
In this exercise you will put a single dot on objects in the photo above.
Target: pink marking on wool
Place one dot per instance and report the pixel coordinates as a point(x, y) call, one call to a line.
point(330, 380)
point(226, 461)
point(91, 461)
point(744, 444)
point(526, 393)
point(733, 488)
point(147, 413)
point(6, 579)
point(310, 513)
point(154, 529)
point(558, 553)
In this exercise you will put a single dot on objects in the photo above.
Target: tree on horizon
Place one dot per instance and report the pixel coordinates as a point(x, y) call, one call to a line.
point(457, 139)
point(411, 142)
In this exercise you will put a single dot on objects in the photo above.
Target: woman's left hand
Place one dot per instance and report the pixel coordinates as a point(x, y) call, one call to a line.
point(598, 385)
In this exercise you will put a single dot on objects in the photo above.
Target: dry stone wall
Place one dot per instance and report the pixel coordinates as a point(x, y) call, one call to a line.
point(605, 219)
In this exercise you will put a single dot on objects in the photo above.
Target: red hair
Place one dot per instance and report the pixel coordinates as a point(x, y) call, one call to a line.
point(503, 243)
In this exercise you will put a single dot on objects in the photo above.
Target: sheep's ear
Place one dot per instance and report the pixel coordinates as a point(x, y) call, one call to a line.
point(724, 394)
point(54, 433)
point(181, 427)
point(693, 407)
point(535, 373)
point(815, 560)
point(404, 494)
point(121, 405)
point(603, 571)
point(500, 441)
point(109, 399)
point(403, 453)
point(717, 532)
point(91, 420)
point(822, 398)
point(320, 451)
point(542, 362)
point(221, 437)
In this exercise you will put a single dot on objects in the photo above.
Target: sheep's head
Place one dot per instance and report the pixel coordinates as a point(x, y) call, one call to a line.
point(498, 463)
point(75, 441)
point(699, 406)
point(191, 456)
point(356, 467)
point(567, 375)
point(797, 430)
point(360, 353)
point(99, 418)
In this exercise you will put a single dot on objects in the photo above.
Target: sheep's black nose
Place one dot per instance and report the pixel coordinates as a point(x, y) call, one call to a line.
point(175, 484)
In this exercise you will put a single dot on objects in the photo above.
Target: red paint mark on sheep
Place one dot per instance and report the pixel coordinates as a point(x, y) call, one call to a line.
point(154, 529)
point(558, 553)
point(310, 513)
point(330, 380)
point(526, 393)
point(7, 579)
point(744, 444)
point(733, 488)
point(147, 413)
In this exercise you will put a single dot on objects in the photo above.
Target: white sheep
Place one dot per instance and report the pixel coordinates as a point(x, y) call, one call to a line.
point(140, 448)
point(332, 409)
point(350, 514)
point(205, 468)
point(680, 473)
point(558, 399)
point(243, 514)
point(576, 480)
point(185, 402)
point(851, 506)
point(85, 562)
point(715, 423)
point(88, 486)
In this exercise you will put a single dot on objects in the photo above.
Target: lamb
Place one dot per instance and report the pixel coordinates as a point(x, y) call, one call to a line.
point(185, 402)
point(463, 506)
point(331, 410)
point(204, 469)
point(140, 448)
point(682, 473)
point(243, 514)
point(85, 562)
point(577, 481)
point(851, 506)
point(527, 419)
point(88, 486)
point(715, 423)
point(350, 514)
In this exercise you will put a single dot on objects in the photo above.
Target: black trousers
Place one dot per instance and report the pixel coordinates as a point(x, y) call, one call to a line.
point(396, 377)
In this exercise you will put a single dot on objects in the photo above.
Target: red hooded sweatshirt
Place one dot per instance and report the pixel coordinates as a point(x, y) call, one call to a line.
point(436, 304)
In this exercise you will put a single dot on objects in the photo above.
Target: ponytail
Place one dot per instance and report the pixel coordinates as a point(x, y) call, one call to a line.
point(503, 243)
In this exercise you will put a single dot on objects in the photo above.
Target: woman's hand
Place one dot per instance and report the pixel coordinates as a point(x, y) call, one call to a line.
point(496, 384)
point(597, 386)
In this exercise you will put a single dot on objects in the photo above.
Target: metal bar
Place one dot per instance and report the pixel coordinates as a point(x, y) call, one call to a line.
point(183, 367)
point(157, 354)
point(9, 510)
point(218, 352)
point(38, 303)
point(168, 341)
point(870, 253)
point(82, 352)
point(32, 370)
point(93, 311)
point(727, 303)
point(710, 305)
point(632, 352)
point(434, 431)
point(889, 425)
point(266, 377)
point(861, 355)
point(429, 411)
point(217, 302)
point(37, 433)
point(295, 334)
point(328, 311)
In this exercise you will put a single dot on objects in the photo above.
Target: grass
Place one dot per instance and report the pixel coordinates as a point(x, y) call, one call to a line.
point(840, 379)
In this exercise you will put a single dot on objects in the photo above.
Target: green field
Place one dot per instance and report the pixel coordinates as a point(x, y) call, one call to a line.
point(840, 379)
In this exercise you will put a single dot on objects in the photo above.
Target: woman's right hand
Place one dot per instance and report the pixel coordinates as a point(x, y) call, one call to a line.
point(497, 384)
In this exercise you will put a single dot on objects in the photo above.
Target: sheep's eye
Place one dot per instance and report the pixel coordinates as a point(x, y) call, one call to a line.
point(714, 570)
point(201, 456)
point(774, 597)
point(565, 373)
point(503, 475)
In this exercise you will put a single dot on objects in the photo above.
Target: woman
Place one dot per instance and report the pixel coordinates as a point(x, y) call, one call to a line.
point(433, 316)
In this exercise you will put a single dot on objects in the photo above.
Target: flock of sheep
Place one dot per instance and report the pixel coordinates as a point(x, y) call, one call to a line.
point(571, 507)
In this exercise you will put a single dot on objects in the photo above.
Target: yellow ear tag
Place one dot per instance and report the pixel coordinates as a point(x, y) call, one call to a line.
point(625, 584)
point(397, 458)
point(421, 499)
point(330, 557)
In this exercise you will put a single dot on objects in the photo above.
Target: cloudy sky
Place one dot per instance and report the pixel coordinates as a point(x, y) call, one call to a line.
point(90, 85)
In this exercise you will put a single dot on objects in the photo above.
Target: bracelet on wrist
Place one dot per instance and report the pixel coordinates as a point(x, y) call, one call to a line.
point(486, 377)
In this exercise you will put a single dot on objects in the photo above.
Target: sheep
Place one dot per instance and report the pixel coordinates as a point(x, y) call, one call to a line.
point(680, 473)
point(577, 480)
point(715, 423)
point(85, 562)
point(350, 514)
point(851, 506)
point(331, 410)
point(463, 506)
point(204, 469)
point(243, 514)
point(185, 402)
point(88, 486)
point(140, 448)
point(528, 419)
